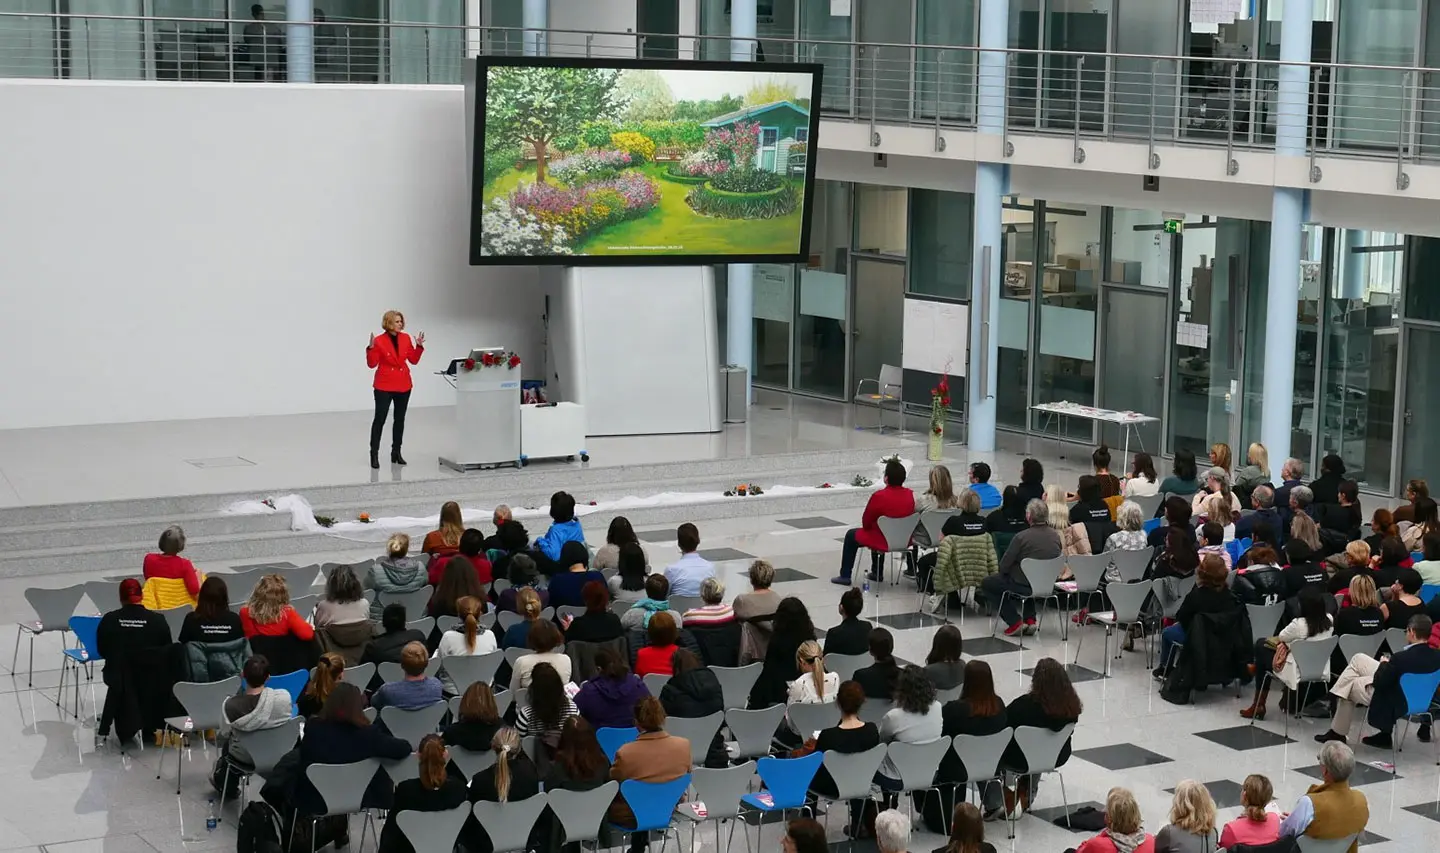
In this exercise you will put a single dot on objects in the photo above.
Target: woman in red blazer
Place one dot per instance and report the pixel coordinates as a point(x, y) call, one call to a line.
point(390, 355)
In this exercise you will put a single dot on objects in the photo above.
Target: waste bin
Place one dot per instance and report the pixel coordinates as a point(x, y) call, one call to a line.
point(735, 382)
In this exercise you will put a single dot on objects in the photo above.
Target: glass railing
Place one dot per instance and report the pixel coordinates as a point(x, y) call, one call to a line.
point(1373, 111)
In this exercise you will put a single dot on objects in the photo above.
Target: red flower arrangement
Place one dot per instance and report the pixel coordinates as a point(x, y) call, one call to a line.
point(508, 360)
point(939, 402)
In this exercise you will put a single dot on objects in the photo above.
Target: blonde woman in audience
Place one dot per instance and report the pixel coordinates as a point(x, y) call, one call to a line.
point(446, 538)
point(1220, 456)
point(1217, 484)
point(939, 496)
point(268, 612)
point(1192, 821)
point(396, 573)
point(465, 640)
point(1304, 528)
point(814, 685)
point(1256, 471)
point(1124, 831)
point(1074, 539)
point(1257, 825)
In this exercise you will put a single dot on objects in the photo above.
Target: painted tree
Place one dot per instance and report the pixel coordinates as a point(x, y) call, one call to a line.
point(535, 105)
point(650, 97)
point(769, 91)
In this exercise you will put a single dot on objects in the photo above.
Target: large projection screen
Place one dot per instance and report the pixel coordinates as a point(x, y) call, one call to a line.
point(586, 162)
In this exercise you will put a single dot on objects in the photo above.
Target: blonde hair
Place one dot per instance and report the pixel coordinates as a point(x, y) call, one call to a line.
point(398, 545)
point(809, 652)
point(527, 603)
point(1057, 511)
point(452, 525)
point(1122, 813)
point(1192, 809)
point(390, 315)
point(468, 609)
point(1304, 528)
point(1362, 592)
point(1358, 553)
point(1220, 455)
point(268, 600)
point(1217, 508)
point(942, 488)
point(1257, 792)
point(504, 743)
point(1260, 458)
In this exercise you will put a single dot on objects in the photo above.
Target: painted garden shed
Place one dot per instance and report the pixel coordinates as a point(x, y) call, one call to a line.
point(780, 122)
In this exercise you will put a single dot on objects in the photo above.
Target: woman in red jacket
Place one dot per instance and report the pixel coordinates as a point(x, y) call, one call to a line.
point(268, 612)
point(390, 355)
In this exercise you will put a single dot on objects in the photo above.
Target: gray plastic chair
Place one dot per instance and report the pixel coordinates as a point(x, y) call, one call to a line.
point(568, 610)
point(104, 595)
point(897, 533)
point(519, 696)
point(411, 726)
point(547, 614)
point(918, 763)
point(415, 602)
point(447, 623)
point(515, 653)
point(619, 606)
point(932, 520)
point(1132, 564)
point(679, 604)
point(1327, 845)
point(1041, 748)
point(304, 604)
point(981, 756)
point(390, 671)
point(1149, 504)
point(582, 813)
point(736, 682)
point(1312, 661)
point(1088, 570)
point(943, 696)
point(432, 832)
point(845, 665)
point(853, 773)
point(753, 730)
point(204, 709)
point(1041, 575)
point(1264, 618)
point(874, 710)
point(504, 698)
point(359, 675)
point(506, 618)
point(720, 789)
point(400, 769)
point(328, 569)
point(425, 624)
point(499, 585)
point(175, 618)
point(265, 747)
point(342, 787)
point(806, 718)
point(241, 584)
point(301, 578)
point(700, 731)
point(471, 762)
point(466, 670)
point(509, 824)
point(53, 609)
point(1171, 606)
point(655, 682)
point(1395, 639)
point(1361, 644)
point(1128, 600)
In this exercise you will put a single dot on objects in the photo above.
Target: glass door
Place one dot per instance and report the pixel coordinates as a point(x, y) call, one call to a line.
point(1132, 362)
point(1419, 451)
point(878, 322)
point(773, 309)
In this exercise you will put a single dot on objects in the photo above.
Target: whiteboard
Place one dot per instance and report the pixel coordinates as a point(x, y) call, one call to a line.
point(937, 337)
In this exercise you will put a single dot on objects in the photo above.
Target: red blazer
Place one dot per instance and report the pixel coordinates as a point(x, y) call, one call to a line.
point(889, 502)
point(391, 371)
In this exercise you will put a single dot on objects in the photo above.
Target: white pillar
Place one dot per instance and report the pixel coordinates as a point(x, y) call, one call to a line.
point(536, 19)
point(300, 41)
point(473, 21)
point(740, 287)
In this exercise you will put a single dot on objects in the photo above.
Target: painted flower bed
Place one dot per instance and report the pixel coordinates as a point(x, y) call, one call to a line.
point(707, 200)
point(583, 210)
point(697, 167)
point(591, 165)
point(509, 231)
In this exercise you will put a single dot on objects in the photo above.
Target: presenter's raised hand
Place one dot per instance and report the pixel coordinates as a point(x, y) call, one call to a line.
point(371, 344)
point(420, 340)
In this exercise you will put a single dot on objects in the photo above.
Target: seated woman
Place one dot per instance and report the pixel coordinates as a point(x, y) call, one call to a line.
point(1404, 600)
point(1302, 569)
point(275, 630)
point(1356, 562)
point(465, 640)
point(471, 552)
point(1008, 521)
point(607, 699)
point(714, 612)
point(478, 721)
point(814, 685)
point(344, 600)
point(1382, 524)
point(967, 832)
point(564, 527)
point(396, 573)
point(567, 585)
point(548, 709)
point(212, 620)
point(1256, 825)
point(1179, 558)
point(1212, 541)
point(619, 534)
point(528, 605)
point(1313, 623)
point(753, 608)
point(1426, 521)
point(579, 764)
point(1142, 481)
point(694, 691)
point(327, 674)
point(1256, 470)
point(433, 790)
point(944, 666)
point(1361, 613)
point(1176, 512)
point(1210, 595)
point(657, 599)
point(1091, 511)
point(511, 540)
point(792, 628)
point(1051, 704)
point(513, 777)
point(979, 712)
point(177, 575)
point(341, 734)
point(544, 638)
point(1217, 482)
point(1192, 821)
point(523, 576)
point(1182, 480)
point(850, 735)
point(446, 538)
point(597, 624)
point(966, 555)
point(660, 646)
point(938, 496)
point(916, 718)
point(457, 581)
point(1130, 537)
point(1386, 568)
point(1124, 831)
point(655, 756)
point(628, 582)
point(132, 640)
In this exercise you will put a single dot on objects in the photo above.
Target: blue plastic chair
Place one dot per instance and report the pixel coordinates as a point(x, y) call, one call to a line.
point(611, 739)
point(1419, 690)
point(85, 629)
point(1152, 525)
point(787, 781)
point(292, 683)
point(1237, 548)
point(653, 803)
point(1429, 591)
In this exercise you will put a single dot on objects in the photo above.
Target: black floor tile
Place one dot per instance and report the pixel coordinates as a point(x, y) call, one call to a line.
point(1225, 793)
point(1054, 813)
point(656, 536)
point(1077, 673)
point(1430, 810)
point(782, 575)
point(981, 646)
point(1368, 837)
point(1245, 737)
point(716, 555)
point(1364, 774)
point(902, 621)
point(1121, 756)
point(811, 522)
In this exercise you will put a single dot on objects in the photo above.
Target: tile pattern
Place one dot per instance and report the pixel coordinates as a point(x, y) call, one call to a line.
point(1121, 756)
point(720, 555)
point(810, 522)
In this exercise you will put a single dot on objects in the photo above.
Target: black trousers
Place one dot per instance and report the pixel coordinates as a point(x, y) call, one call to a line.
point(382, 408)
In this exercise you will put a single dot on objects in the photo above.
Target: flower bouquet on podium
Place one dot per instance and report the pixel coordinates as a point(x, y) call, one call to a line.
point(939, 403)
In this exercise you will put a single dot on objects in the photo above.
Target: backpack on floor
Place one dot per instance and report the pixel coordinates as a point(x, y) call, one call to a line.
point(258, 830)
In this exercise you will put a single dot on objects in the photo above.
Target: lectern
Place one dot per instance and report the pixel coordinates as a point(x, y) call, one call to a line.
point(487, 411)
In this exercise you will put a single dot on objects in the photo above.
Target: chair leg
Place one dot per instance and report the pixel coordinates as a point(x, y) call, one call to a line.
point(1064, 798)
point(16, 656)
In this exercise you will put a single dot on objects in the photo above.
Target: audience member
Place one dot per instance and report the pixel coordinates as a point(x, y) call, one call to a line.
point(1032, 481)
point(966, 555)
point(1262, 504)
point(938, 495)
point(852, 635)
point(255, 708)
point(792, 629)
point(395, 573)
point(513, 542)
point(394, 637)
point(1211, 595)
point(543, 640)
point(878, 679)
point(1332, 809)
point(1382, 524)
point(944, 666)
point(1427, 521)
point(1367, 681)
point(1404, 599)
point(686, 574)
point(661, 637)
point(597, 624)
point(1142, 481)
point(1360, 614)
point(549, 706)
point(753, 609)
point(432, 790)
point(478, 721)
point(1301, 523)
point(656, 600)
point(814, 685)
point(1220, 456)
point(513, 777)
point(341, 734)
point(849, 736)
point(1124, 831)
point(1038, 541)
point(1130, 537)
point(1301, 570)
point(1008, 521)
point(1182, 481)
point(892, 831)
point(499, 517)
point(268, 612)
point(528, 605)
point(1212, 542)
point(1092, 513)
point(1050, 704)
point(980, 485)
point(568, 583)
point(1176, 514)
point(714, 611)
point(1428, 568)
point(1414, 490)
point(892, 501)
point(1257, 824)
point(1256, 470)
point(1326, 487)
point(416, 690)
point(564, 527)
point(579, 764)
point(804, 835)
point(344, 600)
point(1272, 654)
point(628, 582)
point(212, 620)
point(978, 712)
point(472, 552)
point(1357, 564)
point(967, 832)
point(1386, 567)
point(1339, 522)
point(328, 672)
point(619, 534)
point(607, 699)
point(524, 575)
point(1291, 473)
point(457, 581)
point(694, 691)
point(916, 718)
point(655, 756)
point(446, 538)
point(466, 640)
point(1192, 821)
point(1074, 538)
point(169, 565)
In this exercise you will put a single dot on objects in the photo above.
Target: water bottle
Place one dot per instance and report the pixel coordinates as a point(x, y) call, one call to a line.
point(212, 817)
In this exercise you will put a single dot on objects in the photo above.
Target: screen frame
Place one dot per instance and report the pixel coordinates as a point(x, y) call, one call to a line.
point(477, 154)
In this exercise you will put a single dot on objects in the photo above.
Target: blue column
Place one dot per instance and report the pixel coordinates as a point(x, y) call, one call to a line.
point(300, 41)
point(535, 18)
point(989, 192)
point(1286, 222)
point(740, 284)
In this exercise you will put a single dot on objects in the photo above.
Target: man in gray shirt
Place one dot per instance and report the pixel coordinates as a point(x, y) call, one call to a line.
point(1039, 541)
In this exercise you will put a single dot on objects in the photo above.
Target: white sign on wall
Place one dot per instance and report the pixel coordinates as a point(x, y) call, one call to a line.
point(840, 8)
point(774, 292)
point(937, 337)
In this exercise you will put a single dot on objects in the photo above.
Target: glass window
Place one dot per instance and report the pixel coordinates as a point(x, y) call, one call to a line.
point(880, 226)
point(192, 49)
point(818, 25)
point(802, 134)
point(1139, 249)
point(1024, 77)
point(774, 308)
point(884, 87)
point(1017, 290)
point(1422, 278)
point(1076, 27)
point(103, 48)
point(1205, 373)
point(945, 79)
point(356, 42)
point(509, 16)
point(823, 294)
point(942, 233)
point(427, 54)
point(1368, 102)
point(1069, 294)
point(1143, 90)
point(28, 43)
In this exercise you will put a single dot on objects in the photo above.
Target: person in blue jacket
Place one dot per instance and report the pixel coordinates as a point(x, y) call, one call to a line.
point(564, 527)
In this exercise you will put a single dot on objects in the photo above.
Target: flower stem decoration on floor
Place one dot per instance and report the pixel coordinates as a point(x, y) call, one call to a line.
point(939, 404)
point(493, 359)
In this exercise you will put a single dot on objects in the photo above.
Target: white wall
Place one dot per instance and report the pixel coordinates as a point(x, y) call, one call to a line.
point(208, 250)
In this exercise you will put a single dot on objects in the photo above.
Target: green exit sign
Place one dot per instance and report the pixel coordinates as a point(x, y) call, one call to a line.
point(1174, 226)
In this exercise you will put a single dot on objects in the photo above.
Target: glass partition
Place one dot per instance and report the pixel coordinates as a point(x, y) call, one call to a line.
point(1069, 275)
point(819, 33)
point(1023, 78)
point(883, 87)
point(1369, 102)
point(1143, 90)
point(28, 43)
point(101, 48)
point(823, 296)
point(945, 79)
point(942, 232)
point(1076, 83)
point(1017, 291)
point(424, 54)
point(1139, 249)
point(881, 215)
point(774, 307)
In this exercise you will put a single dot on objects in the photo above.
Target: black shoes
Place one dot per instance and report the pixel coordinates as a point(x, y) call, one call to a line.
point(374, 459)
point(1329, 735)
point(1423, 733)
point(1379, 740)
point(396, 458)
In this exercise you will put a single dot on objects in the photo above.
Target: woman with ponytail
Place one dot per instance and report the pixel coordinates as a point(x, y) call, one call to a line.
point(328, 671)
point(465, 640)
point(512, 778)
point(814, 685)
point(433, 791)
point(1256, 825)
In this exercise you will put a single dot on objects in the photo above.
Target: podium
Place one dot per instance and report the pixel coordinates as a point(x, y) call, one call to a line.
point(487, 414)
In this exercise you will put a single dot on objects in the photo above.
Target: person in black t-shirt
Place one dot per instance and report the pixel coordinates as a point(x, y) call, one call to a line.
point(878, 679)
point(850, 735)
point(212, 620)
point(1301, 570)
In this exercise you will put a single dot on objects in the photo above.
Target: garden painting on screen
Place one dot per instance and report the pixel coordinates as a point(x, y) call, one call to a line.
point(596, 161)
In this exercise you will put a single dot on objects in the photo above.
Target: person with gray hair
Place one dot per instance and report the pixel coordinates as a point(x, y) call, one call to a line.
point(169, 565)
point(1130, 537)
point(1291, 475)
point(1217, 482)
point(1039, 541)
point(1262, 508)
point(714, 611)
point(1332, 809)
point(892, 831)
